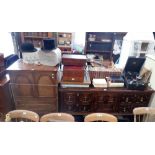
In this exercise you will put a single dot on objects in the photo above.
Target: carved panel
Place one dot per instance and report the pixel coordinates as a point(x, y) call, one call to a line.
point(45, 78)
point(104, 101)
point(69, 101)
point(22, 90)
point(84, 101)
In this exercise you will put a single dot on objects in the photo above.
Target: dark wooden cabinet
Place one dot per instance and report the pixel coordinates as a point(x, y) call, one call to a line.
point(102, 43)
point(81, 101)
point(35, 38)
point(34, 87)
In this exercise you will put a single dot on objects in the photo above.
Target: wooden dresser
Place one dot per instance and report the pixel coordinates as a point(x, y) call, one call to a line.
point(117, 101)
point(5, 96)
point(34, 87)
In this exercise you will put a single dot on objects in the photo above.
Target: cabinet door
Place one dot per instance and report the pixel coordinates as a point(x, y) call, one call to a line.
point(22, 90)
point(104, 102)
point(141, 100)
point(126, 101)
point(45, 78)
point(68, 101)
point(45, 84)
point(84, 102)
point(22, 83)
point(129, 101)
point(21, 77)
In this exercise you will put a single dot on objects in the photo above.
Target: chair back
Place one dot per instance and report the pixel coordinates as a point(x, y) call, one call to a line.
point(144, 114)
point(22, 116)
point(100, 117)
point(57, 117)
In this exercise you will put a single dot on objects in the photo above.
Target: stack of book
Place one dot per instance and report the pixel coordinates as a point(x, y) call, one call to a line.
point(102, 72)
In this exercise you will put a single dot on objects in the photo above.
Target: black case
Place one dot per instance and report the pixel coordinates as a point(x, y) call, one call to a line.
point(131, 72)
point(134, 65)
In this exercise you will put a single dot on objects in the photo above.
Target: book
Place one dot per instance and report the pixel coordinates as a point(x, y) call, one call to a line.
point(118, 85)
point(100, 83)
point(102, 72)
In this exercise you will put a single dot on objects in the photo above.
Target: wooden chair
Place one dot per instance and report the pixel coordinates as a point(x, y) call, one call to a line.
point(144, 114)
point(100, 117)
point(57, 117)
point(22, 116)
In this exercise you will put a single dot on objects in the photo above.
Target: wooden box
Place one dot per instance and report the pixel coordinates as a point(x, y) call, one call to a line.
point(74, 60)
point(73, 74)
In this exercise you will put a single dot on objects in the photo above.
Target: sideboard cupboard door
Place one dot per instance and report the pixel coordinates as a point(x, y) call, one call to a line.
point(45, 78)
point(105, 102)
point(129, 101)
point(45, 84)
point(46, 91)
point(22, 90)
point(22, 83)
point(23, 77)
point(69, 101)
point(84, 101)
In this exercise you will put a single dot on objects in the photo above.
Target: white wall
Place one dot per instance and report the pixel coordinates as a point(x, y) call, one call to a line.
point(79, 40)
point(6, 43)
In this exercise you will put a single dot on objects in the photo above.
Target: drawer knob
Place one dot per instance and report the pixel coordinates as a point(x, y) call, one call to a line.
point(52, 76)
point(124, 109)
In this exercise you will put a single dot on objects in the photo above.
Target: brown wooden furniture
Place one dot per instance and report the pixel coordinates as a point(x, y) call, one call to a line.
point(146, 114)
point(64, 41)
point(102, 42)
point(57, 117)
point(74, 60)
point(5, 97)
point(34, 87)
point(35, 37)
point(2, 66)
point(100, 117)
point(22, 116)
point(117, 101)
point(73, 74)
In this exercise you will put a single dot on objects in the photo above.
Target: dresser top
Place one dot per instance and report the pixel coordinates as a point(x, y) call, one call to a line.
point(20, 65)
